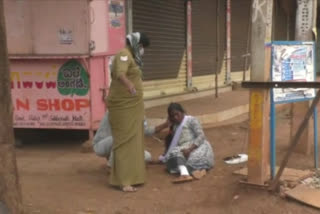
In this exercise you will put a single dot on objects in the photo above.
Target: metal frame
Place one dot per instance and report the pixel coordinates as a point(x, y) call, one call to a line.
point(270, 85)
point(189, 43)
point(293, 143)
point(295, 139)
point(276, 84)
point(301, 99)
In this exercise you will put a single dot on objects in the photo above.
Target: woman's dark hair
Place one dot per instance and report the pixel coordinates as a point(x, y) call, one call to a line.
point(169, 137)
point(144, 40)
point(175, 106)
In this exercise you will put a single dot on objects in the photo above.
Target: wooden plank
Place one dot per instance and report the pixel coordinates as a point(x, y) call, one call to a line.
point(305, 143)
point(258, 151)
point(258, 145)
point(261, 187)
point(289, 174)
point(306, 195)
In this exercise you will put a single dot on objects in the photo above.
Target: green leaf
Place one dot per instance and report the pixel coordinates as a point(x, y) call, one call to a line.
point(73, 79)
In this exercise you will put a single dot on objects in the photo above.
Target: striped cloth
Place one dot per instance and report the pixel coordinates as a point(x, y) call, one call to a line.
point(134, 39)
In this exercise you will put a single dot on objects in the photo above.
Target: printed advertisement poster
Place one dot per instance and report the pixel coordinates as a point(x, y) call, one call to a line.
point(293, 62)
point(116, 25)
point(50, 94)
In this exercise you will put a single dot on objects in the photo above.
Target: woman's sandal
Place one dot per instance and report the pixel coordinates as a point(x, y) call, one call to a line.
point(198, 174)
point(129, 189)
point(183, 179)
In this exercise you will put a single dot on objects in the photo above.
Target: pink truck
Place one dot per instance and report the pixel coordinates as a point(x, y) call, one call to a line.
point(59, 55)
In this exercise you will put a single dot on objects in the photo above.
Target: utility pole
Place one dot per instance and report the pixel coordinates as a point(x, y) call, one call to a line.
point(259, 143)
point(10, 192)
point(305, 21)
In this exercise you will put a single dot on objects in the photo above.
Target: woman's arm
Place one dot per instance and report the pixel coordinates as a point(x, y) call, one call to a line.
point(199, 137)
point(198, 132)
point(162, 126)
point(127, 83)
point(120, 67)
point(152, 130)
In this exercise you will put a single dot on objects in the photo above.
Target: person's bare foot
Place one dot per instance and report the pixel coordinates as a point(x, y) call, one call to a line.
point(129, 189)
point(198, 174)
point(182, 179)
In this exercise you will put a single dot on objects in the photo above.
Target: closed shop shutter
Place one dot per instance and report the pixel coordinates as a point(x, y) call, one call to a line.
point(240, 31)
point(280, 20)
point(204, 36)
point(165, 23)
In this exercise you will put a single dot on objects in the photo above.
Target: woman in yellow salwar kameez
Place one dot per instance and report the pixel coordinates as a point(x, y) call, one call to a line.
point(126, 114)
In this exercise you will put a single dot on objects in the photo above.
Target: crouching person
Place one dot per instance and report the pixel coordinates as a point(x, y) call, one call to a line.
point(103, 141)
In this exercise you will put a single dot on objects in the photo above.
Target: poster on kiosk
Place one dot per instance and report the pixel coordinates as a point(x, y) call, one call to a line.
point(292, 61)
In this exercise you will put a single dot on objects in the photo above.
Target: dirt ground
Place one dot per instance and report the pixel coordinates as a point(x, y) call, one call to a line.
point(57, 178)
point(205, 105)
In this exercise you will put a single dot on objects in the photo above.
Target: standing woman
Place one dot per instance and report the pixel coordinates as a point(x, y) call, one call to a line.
point(126, 114)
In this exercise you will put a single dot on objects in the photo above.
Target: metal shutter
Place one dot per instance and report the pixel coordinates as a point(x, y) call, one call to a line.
point(280, 21)
point(204, 36)
point(165, 23)
point(240, 31)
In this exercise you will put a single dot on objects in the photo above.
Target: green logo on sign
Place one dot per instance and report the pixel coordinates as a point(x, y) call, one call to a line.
point(73, 79)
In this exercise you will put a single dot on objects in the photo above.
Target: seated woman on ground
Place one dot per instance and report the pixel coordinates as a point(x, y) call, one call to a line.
point(189, 152)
